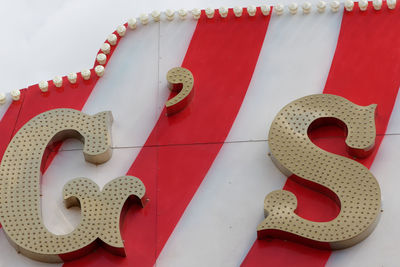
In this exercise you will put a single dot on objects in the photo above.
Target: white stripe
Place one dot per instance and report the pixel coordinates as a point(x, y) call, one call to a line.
point(294, 62)
point(394, 122)
point(219, 225)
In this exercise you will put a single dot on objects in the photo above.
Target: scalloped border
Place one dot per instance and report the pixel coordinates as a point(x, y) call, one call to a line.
point(108, 47)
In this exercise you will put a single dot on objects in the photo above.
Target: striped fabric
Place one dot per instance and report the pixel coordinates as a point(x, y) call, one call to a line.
point(206, 169)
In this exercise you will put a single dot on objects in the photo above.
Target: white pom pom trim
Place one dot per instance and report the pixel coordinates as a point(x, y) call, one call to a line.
point(279, 9)
point(210, 12)
point(99, 69)
point(132, 23)
point(86, 74)
point(72, 77)
point(196, 13)
point(58, 81)
point(321, 6)
point(15, 95)
point(43, 86)
point(223, 12)
point(238, 11)
point(112, 39)
point(265, 10)
point(251, 10)
point(306, 7)
point(349, 5)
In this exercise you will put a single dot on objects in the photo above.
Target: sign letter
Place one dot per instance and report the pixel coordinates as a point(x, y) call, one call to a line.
point(20, 212)
point(352, 185)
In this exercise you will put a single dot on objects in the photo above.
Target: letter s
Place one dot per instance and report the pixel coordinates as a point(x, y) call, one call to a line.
point(355, 188)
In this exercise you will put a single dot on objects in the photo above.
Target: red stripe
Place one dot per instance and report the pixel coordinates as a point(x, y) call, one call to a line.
point(365, 70)
point(182, 147)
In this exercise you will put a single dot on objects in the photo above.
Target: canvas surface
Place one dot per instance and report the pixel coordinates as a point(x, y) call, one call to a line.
point(206, 169)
